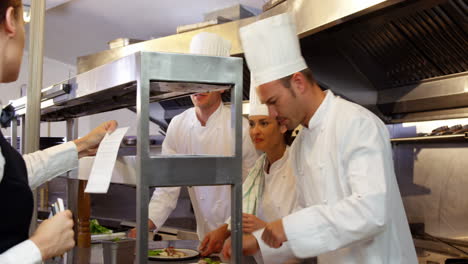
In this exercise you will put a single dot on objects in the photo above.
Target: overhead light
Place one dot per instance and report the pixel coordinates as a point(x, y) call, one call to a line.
point(49, 4)
point(26, 13)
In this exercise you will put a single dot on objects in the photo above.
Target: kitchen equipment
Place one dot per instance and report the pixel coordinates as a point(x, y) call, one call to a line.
point(452, 129)
point(439, 131)
point(270, 4)
point(204, 24)
point(234, 12)
point(462, 130)
point(119, 251)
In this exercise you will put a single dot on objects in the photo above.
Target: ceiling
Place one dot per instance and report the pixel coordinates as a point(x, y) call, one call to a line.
point(81, 27)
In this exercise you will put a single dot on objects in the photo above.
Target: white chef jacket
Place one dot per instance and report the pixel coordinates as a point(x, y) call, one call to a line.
point(41, 166)
point(279, 193)
point(278, 200)
point(186, 135)
point(353, 212)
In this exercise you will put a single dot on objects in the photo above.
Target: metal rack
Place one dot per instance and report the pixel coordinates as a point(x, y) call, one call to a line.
point(432, 139)
point(137, 80)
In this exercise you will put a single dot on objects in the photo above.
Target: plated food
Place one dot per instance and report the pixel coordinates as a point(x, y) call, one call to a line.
point(172, 253)
point(208, 261)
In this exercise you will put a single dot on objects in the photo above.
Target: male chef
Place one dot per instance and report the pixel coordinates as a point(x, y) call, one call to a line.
point(350, 209)
point(202, 129)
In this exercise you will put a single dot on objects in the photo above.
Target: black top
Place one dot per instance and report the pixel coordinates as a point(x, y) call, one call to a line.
point(16, 199)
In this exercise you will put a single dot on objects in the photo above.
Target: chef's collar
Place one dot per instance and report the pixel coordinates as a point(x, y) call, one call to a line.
point(211, 120)
point(317, 119)
point(279, 163)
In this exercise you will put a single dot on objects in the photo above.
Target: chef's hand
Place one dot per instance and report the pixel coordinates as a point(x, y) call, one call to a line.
point(251, 223)
point(133, 232)
point(55, 236)
point(274, 235)
point(88, 145)
point(213, 241)
point(249, 246)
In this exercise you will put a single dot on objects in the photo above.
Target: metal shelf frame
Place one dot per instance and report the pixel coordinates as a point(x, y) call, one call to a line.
point(432, 139)
point(145, 77)
point(177, 171)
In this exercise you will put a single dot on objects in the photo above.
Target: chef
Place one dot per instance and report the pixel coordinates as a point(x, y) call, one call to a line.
point(349, 205)
point(269, 189)
point(203, 129)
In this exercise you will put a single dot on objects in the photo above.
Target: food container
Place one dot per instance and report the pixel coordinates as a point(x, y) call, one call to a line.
point(119, 251)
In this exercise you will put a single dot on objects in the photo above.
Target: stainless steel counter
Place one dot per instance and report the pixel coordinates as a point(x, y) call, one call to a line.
point(95, 254)
point(189, 244)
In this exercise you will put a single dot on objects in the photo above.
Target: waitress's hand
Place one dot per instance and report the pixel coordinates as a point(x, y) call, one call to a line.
point(249, 246)
point(274, 235)
point(213, 241)
point(251, 223)
point(54, 236)
point(88, 145)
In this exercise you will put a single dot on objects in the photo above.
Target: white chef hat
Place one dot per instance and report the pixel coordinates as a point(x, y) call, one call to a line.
point(271, 48)
point(255, 106)
point(210, 44)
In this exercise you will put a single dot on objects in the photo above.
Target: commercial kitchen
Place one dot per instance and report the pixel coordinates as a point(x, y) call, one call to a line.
point(401, 63)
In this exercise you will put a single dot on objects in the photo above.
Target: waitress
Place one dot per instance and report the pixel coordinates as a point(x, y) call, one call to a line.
point(18, 174)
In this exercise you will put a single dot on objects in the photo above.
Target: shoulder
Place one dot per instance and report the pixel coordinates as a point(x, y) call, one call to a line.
point(188, 114)
point(349, 115)
point(183, 117)
point(354, 124)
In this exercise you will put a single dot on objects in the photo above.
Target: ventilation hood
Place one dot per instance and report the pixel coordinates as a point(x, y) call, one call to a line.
point(414, 54)
point(404, 60)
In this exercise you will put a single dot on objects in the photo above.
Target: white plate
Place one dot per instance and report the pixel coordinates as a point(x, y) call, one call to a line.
point(209, 258)
point(189, 253)
point(111, 236)
point(219, 263)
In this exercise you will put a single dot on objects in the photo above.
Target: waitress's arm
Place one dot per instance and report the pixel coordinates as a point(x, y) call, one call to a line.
point(53, 237)
point(47, 164)
point(26, 252)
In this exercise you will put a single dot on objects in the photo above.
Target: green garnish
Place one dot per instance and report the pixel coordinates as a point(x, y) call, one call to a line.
point(209, 261)
point(96, 228)
point(154, 252)
point(117, 239)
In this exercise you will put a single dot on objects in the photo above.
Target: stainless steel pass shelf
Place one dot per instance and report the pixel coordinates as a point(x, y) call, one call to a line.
point(137, 80)
point(114, 85)
point(432, 139)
